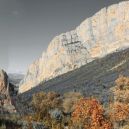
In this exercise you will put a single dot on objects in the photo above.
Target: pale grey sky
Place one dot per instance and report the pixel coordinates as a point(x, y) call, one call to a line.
point(27, 26)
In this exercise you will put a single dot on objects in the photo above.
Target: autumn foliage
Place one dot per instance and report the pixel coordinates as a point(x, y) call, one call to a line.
point(70, 99)
point(43, 103)
point(121, 89)
point(119, 109)
point(119, 112)
point(90, 115)
point(73, 111)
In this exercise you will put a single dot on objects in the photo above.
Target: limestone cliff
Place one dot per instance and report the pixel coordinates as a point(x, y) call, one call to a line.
point(106, 32)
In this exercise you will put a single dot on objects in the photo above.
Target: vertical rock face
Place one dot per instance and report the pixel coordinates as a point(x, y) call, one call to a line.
point(3, 82)
point(106, 32)
point(5, 100)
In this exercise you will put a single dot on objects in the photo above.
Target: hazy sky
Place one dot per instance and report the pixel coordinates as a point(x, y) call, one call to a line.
point(27, 26)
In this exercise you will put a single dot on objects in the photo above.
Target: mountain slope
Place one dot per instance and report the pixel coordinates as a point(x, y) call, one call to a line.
point(93, 79)
point(106, 32)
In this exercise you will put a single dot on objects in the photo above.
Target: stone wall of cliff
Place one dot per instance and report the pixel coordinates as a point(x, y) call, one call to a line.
point(106, 32)
point(5, 94)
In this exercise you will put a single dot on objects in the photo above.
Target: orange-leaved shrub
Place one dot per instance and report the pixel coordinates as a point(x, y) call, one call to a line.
point(119, 112)
point(89, 114)
point(121, 89)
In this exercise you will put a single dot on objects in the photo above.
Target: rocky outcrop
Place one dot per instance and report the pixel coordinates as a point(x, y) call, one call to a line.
point(5, 92)
point(3, 82)
point(106, 32)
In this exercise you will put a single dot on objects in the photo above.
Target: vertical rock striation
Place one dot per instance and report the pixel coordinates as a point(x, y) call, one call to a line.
point(106, 32)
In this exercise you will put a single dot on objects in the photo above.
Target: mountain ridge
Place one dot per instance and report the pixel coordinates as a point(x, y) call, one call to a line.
point(104, 33)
